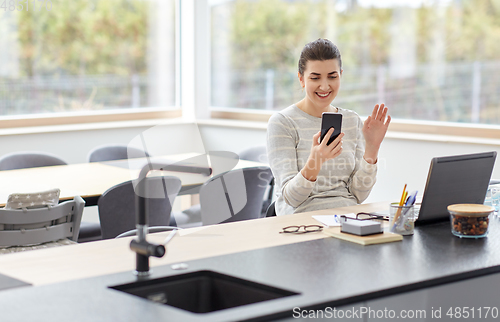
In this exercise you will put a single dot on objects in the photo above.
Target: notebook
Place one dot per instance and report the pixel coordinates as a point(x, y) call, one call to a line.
point(385, 237)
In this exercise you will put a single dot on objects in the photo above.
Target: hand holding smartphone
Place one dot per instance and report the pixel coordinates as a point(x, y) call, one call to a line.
point(329, 120)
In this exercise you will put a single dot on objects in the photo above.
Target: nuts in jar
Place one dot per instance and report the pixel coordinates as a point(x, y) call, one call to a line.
point(469, 220)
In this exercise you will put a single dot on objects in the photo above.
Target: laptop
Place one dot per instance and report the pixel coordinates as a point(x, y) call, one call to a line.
point(455, 179)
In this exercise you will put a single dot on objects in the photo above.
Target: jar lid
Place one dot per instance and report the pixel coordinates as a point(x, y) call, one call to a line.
point(470, 209)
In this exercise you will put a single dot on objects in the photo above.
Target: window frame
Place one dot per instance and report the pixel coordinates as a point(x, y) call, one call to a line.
point(193, 76)
point(440, 131)
point(108, 115)
point(70, 118)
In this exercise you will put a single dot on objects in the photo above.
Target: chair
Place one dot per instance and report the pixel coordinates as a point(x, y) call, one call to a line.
point(271, 211)
point(117, 205)
point(256, 153)
point(259, 154)
point(115, 152)
point(92, 231)
point(232, 196)
point(39, 226)
point(89, 231)
point(21, 160)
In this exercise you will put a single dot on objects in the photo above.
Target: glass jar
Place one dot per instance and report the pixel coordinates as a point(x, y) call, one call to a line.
point(469, 220)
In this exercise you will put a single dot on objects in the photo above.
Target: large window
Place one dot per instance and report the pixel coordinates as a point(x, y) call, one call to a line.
point(86, 55)
point(427, 60)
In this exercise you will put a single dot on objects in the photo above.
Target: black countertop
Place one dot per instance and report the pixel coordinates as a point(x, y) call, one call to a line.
point(326, 272)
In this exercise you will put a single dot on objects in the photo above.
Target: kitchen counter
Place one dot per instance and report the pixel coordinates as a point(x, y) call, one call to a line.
point(325, 272)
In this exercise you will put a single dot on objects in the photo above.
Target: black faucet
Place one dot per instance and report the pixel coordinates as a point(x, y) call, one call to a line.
point(140, 246)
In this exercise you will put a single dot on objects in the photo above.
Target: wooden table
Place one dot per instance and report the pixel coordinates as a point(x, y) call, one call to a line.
point(90, 180)
point(72, 262)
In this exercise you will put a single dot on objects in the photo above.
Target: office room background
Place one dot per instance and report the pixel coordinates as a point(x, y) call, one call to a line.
point(74, 76)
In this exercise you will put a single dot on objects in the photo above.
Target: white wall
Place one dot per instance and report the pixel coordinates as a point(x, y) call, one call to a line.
point(401, 161)
point(73, 145)
point(408, 161)
point(230, 138)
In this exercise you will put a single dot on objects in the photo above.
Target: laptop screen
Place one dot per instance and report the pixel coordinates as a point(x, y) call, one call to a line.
point(455, 179)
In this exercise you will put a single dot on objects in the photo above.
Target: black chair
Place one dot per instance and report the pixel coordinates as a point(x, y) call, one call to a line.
point(89, 231)
point(115, 152)
point(235, 195)
point(255, 153)
point(28, 159)
point(117, 205)
point(92, 231)
point(271, 211)
point(259, 154)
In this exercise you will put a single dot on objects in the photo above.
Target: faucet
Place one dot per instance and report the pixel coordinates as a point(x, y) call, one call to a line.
point(141, 246)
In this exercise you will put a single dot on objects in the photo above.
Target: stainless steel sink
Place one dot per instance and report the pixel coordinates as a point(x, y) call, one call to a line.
point(203, 291)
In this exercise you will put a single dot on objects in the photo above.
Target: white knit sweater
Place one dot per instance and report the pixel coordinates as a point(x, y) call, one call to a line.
point(344, 181)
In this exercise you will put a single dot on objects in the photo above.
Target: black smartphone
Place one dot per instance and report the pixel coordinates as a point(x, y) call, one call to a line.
point(329, 120)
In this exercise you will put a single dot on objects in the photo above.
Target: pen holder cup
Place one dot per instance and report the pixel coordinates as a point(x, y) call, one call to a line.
point(401, 219)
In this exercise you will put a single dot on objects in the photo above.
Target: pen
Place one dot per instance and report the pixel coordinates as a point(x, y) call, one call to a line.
point(410, 202)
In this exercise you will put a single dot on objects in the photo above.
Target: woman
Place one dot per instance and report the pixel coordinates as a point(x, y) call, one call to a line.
point(311, 175)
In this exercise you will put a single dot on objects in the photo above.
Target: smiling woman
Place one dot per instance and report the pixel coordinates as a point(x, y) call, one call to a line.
point(311, 174)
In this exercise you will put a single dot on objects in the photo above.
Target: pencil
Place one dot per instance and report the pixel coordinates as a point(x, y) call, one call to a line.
point(401, 202)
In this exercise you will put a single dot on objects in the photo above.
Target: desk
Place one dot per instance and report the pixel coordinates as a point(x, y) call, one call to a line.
point(325, 271)
point(89, 180)
point(110, 256)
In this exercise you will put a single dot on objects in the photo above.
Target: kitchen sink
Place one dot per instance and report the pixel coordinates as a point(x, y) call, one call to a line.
point(203, 291)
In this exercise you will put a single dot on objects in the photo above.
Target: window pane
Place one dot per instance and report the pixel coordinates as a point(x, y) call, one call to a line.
point(62, 56)
point(427, 60)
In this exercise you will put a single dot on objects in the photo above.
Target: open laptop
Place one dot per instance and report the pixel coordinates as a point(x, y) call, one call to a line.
point(455, 179)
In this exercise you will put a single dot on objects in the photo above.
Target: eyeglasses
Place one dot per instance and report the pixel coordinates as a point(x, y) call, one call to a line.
point(298, 230)
point(367, 216)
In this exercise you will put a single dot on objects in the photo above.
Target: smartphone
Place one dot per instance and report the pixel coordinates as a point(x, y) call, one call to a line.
point(329, 120)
